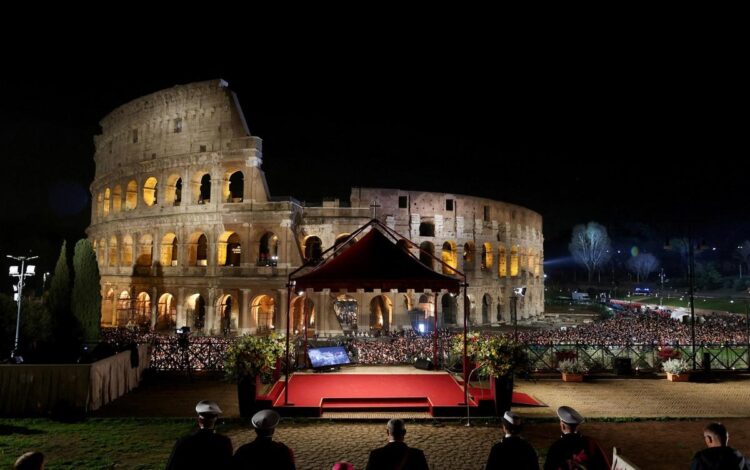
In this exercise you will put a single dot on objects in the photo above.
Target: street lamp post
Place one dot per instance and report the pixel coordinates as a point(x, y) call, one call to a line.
point(661, 293)
point(517, 292)
point(21, 274)
point(691, 289)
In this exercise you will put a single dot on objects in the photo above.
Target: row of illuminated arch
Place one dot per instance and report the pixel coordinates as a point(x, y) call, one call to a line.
point(137, 310)
point(229, 253)
point(509, 262)
point(115, 200)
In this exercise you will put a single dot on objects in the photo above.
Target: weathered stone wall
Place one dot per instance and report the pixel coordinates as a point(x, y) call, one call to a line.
point(166, 242)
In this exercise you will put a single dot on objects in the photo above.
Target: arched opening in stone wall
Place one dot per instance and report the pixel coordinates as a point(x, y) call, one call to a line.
point(401, 243)
point(449, 309)
point(450, 258)
point(150, 191)
point(514, 260)
point(143, 310)
point(169, 250)
point(229, 249)
point(173, 195)
point(502, 261)
point(426, 229)
point(408, 301)
point(235, 189)
point(99, 204)
point(262, 310)
point(303, 307)
point(198, 249)
point(105, 208)
point(113, 250)
point(381, 313)
point(145, 250)
point(117, 199)
point(131, 196)
point(226, 314)
point(108, 313)
point(196, 311)
point(204, 189)
point(426, 250)
point(268, 251)
point(487, 257)
point(313, 248)
point(339, 243)
point(346, 309)
point(426, 305)
point(127, 251)
point(468, 257)
point(166, 313)
point(124, 309)
point(486, 308)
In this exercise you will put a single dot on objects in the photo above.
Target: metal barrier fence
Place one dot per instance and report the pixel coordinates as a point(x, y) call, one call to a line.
point(170, 353)
point(642, 357)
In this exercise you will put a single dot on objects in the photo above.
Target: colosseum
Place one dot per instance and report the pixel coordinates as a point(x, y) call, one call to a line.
point(187, 233)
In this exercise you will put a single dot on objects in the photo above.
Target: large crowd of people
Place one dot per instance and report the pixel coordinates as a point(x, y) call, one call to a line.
point(627, 328)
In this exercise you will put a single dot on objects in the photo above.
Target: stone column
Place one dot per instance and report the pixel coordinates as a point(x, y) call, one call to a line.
point(181, 319)
point(248, 323)
point(210, 311)
point(280, 316)
point(154, 305)
point(113, 307)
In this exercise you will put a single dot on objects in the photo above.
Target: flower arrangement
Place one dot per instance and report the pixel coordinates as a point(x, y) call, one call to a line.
point(496, 356)
point(667, 353)
point(572, 367)
point(675, 366)
point(254, 356)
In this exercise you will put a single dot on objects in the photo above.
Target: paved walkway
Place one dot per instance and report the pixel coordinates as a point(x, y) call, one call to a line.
point(449, 444)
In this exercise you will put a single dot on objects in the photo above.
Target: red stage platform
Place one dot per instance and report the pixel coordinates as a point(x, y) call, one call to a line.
point(310, 394)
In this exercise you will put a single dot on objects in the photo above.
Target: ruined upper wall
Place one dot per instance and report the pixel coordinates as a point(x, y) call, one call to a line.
point(185, 119)
point(509, 219)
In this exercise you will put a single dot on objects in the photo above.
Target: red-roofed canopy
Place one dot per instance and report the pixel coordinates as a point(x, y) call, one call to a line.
point(375, 262)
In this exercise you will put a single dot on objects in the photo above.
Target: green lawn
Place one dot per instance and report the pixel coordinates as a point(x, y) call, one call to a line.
point(94, 443)
point(705, 303)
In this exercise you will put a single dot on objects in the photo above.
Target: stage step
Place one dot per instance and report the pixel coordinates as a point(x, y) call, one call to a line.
point(380, 404)
point(384, 415)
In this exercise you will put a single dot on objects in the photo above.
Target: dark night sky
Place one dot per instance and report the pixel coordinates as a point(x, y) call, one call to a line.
point(616, 137)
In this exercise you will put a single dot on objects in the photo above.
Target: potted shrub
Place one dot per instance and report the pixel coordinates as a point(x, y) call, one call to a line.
point(498, 358)
point(677, 370)
point(251, 361)
point(572, 370)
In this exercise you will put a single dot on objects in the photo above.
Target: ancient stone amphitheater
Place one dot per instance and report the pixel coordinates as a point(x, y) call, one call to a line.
point(187, 233)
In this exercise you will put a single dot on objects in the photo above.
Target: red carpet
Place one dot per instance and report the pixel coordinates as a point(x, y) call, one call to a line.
point(440, 394)
point(519, 398)
point(310, 390)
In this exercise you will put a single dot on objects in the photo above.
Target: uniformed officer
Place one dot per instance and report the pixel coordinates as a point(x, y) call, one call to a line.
point(263, 452)
point(574, 450)
point(205, 448)
point(512, 451)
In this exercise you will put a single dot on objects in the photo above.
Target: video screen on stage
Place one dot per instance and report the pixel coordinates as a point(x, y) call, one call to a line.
point(328, 357)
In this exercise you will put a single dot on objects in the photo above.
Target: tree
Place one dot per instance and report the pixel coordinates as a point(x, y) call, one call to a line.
point(590, 246)
point(87, 298)
point(58, 298)
point(642, 265)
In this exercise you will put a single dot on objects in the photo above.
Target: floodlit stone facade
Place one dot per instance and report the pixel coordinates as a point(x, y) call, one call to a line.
point(187, 234)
